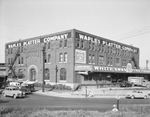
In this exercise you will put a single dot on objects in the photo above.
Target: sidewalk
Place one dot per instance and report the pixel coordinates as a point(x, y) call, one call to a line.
point(93, 93)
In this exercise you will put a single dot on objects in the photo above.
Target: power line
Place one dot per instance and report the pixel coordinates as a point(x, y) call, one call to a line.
point(133, 33)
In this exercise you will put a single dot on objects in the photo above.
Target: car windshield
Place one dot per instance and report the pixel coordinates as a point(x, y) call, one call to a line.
point(14, 89)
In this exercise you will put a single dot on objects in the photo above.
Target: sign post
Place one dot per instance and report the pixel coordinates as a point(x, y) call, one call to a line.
point(118, 102)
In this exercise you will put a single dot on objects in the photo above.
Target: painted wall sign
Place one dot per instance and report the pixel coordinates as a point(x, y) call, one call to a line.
point(102, 41)
point(83, 67)
point(39, 40)
point(107, 69)
point(129, 67)
point(117, 69)
point(80, 56)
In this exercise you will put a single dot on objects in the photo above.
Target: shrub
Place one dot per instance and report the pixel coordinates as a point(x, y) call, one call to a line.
point(48, 86)
point(37, 84)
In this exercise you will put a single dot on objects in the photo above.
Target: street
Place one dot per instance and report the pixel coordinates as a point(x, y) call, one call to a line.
point(100, 104)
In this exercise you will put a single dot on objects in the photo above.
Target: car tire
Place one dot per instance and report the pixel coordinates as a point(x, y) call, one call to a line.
point(4, 94)
point(145, 97)
point(132, 97)
point(14, 96)
point(148, 86)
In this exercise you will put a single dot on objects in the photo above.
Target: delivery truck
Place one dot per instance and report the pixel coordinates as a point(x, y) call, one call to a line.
point(139, 81)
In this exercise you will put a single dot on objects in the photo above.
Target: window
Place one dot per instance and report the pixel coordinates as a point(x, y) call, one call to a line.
point(111, 61)
point(82, 44)
point(100, 48)
point(77, 43)
point(47, 74)
point(93, 59)
point(49, 45)
point(90, 58)
point(93, 46)
point(49, 58)
point(45, 59)
point(60, 43)
point(21, 49)
point(108, 60)
point(90, 45)
point(21, 60)
point(8, 50)
point(103, 49)
point(101, 59)
point(65, 43)
point(117, 60)
point(32, 74)
point(60, 57)
point(11, 50)
point(20, 74)
point(65, 57)
point(123, 62)
point(62, 74)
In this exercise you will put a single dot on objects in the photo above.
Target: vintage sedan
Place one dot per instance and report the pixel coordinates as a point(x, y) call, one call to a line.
point(25, 89)
point(13, 92)
point(138, 94)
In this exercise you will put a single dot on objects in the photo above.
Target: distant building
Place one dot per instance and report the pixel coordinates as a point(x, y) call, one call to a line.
point(3, 75)
point(73, 57)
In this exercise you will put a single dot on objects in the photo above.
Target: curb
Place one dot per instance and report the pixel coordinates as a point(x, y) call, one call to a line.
point(67, 95)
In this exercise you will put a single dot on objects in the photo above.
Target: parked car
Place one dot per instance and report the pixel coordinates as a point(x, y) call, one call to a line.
point(14, 84)
point(125, 84)
point(29, 86)
point(13, 92)
point(24, 89)
point(138, 94)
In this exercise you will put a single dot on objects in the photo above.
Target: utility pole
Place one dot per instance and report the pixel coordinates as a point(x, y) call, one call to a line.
point(43, 81)
point(56, 73)
point(147, 61)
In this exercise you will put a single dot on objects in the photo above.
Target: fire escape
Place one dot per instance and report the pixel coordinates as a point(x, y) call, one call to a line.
point(11, 70)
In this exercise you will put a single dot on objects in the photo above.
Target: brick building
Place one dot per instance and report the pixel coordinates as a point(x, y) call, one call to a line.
point(72, 57)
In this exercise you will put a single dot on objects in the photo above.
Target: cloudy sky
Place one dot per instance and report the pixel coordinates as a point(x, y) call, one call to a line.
point(125, 21)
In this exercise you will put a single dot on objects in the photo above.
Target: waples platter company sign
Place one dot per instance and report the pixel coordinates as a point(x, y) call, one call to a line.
point(102, 41)
point(39, 40)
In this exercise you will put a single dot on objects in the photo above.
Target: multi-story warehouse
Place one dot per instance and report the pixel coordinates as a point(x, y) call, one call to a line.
point(3, 74)
point(72, 57)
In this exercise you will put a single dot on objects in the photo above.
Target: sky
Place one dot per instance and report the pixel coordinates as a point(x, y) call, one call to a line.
point(125, 21)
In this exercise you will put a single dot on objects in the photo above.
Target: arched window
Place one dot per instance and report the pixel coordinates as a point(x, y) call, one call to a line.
point(20, 74)
point(32, 74)
point(47, 74)
point(63, 74)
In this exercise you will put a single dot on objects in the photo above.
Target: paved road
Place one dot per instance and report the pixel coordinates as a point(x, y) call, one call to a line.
point(35, 100)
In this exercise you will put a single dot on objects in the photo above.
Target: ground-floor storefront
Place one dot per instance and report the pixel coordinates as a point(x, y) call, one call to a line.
point(90, 75)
